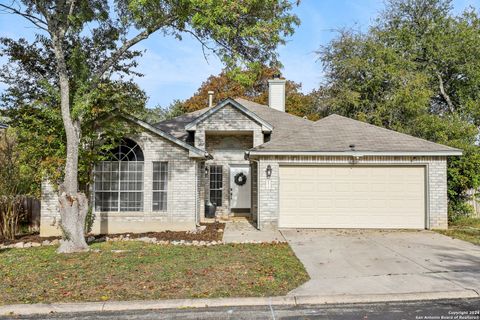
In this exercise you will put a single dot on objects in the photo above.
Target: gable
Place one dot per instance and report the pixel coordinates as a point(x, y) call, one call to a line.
point(229, 118)
point(193, 151)
point(229, 115)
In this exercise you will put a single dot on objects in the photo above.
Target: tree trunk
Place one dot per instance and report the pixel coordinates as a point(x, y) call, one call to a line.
point(73, 204)
point(73, 211)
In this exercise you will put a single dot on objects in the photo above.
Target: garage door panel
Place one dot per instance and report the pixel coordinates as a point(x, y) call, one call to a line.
point(352, 197)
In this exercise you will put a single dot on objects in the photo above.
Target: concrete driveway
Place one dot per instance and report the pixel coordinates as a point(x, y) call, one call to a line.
point(383, 262)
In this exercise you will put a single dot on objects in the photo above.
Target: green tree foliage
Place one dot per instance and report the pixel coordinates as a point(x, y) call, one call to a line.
point(80, 44)
point(14, 184)
point(416, 70)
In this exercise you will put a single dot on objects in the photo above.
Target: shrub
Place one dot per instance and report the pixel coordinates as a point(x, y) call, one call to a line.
point(459, 209)
point(12, 213)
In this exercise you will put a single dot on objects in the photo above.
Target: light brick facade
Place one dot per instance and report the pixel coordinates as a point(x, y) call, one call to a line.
point(436, 183)
point(228, 119)
point(226, 135)
point(182, 195)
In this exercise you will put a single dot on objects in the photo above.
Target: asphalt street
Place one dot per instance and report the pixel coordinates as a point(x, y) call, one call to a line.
point(459, 309)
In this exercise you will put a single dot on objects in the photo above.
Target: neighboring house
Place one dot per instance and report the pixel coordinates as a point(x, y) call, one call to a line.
point(261, 162)
point(3, 126)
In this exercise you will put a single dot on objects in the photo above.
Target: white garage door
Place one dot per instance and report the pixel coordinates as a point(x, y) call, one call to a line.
point(352, 197)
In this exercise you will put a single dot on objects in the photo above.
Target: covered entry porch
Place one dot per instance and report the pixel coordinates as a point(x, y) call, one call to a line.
point(228, 180)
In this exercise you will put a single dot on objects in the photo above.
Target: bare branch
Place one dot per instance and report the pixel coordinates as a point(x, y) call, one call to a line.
point(72, 7)
point(120, 51)
point(444, 95)
point(39, 23)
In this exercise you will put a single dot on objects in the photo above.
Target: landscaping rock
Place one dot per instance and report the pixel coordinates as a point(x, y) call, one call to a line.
point(55, 242)
point(46, 242)
point(36, 244)
point(18, 245)
point(90, 239)
point(27, 245)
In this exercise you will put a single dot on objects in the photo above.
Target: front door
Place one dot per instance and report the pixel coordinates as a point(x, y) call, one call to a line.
point(240, 186)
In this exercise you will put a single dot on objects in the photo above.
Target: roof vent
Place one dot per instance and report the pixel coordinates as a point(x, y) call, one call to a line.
point(352, 147)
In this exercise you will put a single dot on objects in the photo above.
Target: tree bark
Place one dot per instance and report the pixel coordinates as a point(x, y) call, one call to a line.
point(73, 204)
point(444, 94)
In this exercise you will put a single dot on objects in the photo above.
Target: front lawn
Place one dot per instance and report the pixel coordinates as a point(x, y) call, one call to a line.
point(145, 271)
point(467, 229)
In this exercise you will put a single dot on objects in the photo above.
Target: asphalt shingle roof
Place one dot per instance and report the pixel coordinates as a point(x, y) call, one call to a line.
point(330, 134)
point(336, 134)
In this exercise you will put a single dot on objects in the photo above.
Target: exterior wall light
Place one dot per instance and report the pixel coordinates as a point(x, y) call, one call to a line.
point(206, 171)
point(268, 171)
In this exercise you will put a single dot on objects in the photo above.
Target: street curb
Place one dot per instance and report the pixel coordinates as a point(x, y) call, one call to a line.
point(42, 308)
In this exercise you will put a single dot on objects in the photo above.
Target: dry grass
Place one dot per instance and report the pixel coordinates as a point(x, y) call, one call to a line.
point(467, 229)
point(146, 271)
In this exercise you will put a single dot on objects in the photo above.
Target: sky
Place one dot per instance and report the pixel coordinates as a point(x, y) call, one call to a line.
point(175, 69)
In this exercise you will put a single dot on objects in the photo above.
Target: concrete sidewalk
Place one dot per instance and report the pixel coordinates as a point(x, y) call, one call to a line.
point(98, 307)
point(238, 231)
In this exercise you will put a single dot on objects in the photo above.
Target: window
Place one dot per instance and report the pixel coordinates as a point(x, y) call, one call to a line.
point(216, 185)
point(160, 185)
point(119, 181)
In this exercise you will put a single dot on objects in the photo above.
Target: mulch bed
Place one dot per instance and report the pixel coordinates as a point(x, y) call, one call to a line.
point(32, 237)
point(212, 232)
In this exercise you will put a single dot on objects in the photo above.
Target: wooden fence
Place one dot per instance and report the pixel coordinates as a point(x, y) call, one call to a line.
point(475, 201)
point(32, 213)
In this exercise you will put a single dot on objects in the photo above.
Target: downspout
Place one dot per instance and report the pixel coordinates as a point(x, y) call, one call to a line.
point(247, 156)
point(197, 218)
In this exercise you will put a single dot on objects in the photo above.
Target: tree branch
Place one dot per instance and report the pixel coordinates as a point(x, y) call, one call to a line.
point(72, 7)
point(444, 95)
point(39, 23)
point(120, 51)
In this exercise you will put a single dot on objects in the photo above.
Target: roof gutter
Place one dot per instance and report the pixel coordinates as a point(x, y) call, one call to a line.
point(253, 153)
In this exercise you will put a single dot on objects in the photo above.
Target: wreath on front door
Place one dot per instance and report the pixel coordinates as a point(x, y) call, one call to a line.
point(240, 179)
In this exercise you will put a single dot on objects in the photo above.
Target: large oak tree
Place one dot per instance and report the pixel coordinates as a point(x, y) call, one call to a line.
point(91, 40)
point(416, 70)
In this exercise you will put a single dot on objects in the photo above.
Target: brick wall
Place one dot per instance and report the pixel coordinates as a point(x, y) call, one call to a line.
point(227, 119)
point(227, 148)
point(49, 214)
point(182, 195)
point(436, 184)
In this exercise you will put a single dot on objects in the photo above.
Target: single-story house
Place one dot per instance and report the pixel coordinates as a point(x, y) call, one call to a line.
point(273, 167)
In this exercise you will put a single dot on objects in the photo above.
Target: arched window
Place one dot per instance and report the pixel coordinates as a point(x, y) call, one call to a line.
point(119, 180)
